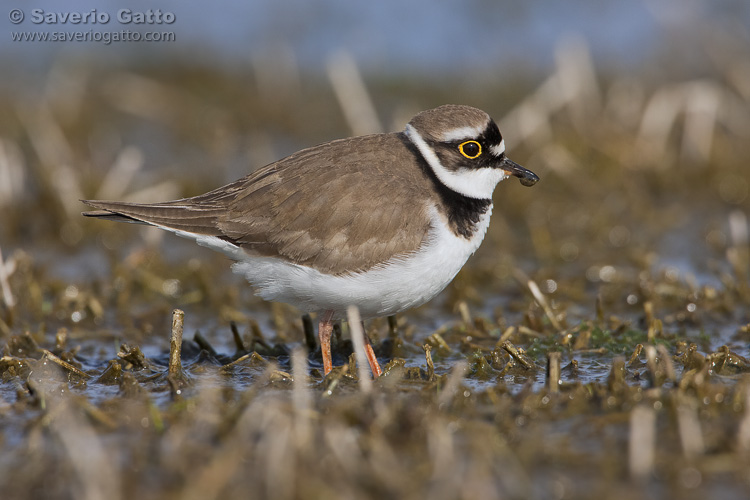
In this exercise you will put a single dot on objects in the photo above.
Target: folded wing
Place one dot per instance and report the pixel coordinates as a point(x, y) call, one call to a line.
point(325, 207)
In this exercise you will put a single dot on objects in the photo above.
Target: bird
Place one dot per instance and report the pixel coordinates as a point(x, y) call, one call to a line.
point(383, 222)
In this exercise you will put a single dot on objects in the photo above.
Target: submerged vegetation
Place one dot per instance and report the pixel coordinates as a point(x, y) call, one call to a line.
point(595, 347)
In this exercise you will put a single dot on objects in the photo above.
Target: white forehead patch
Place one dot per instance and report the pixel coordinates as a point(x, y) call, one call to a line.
point(498, 149)
point(460, 133)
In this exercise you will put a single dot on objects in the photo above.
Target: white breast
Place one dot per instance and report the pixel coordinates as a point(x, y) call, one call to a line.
point(384, 290)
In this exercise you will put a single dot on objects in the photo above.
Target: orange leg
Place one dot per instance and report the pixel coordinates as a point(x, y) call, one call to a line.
point(374, 365)
point(325, 330)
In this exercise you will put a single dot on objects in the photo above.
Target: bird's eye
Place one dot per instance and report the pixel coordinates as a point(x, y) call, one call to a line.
point(470, 149)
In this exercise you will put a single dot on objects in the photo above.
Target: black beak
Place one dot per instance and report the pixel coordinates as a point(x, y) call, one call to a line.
point(527, 177)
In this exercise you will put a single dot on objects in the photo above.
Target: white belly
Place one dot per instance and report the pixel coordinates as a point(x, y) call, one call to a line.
point(381, 291)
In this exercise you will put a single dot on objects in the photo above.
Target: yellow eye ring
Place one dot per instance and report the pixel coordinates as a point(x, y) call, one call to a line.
point(470, 149)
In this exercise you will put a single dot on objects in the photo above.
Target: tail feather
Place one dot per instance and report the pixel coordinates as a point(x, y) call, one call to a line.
point(178, 215)
point(105, 215)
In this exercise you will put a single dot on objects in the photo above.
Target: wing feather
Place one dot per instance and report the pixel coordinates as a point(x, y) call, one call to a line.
point(345, 224)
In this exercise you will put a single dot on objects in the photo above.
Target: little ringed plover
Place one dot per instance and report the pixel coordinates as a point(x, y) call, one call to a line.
point(383, 222)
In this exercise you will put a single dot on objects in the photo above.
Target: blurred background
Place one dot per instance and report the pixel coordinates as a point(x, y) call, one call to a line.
point(635, 114)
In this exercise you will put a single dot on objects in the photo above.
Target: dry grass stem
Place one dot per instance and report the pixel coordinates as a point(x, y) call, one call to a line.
point(642, 443)
point(358, 339)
